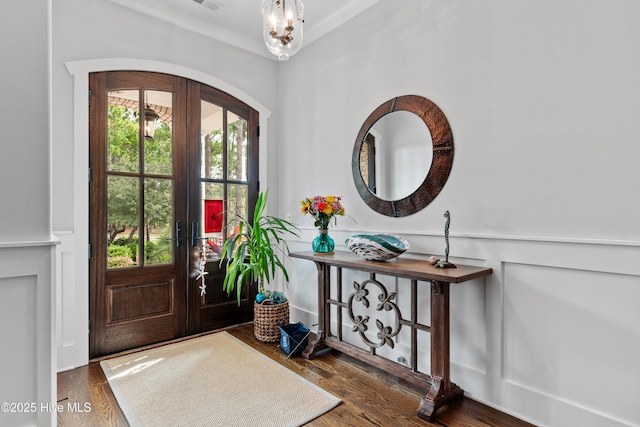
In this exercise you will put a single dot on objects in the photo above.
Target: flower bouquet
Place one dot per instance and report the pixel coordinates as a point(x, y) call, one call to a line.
point(323, 209)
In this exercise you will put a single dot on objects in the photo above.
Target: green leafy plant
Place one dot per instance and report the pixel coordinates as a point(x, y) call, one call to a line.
point(253, 253)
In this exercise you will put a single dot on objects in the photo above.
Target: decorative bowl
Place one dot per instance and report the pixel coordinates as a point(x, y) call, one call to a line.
point(377, 247)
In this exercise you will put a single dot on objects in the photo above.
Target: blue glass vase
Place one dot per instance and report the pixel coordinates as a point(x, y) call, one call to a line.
point(323, 243)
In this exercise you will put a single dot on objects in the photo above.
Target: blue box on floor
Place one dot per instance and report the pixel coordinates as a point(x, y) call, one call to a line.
point(293, 338)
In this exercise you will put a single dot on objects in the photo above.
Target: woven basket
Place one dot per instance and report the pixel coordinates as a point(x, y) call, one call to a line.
point(267, 318)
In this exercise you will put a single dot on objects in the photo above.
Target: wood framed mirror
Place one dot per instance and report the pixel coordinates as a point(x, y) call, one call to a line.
point(402, 156)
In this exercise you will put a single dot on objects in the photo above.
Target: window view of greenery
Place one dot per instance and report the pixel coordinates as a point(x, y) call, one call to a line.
point(129, 182)
point(214, 180)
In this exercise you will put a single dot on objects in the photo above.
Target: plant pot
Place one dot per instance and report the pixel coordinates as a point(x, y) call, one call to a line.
point(267, 318)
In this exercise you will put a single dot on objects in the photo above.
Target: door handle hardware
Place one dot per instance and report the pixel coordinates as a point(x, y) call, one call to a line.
point(195, 234)
point(179, 234)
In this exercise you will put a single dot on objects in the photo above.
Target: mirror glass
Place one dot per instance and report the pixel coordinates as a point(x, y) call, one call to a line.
point(402, 156)
point(395, 156)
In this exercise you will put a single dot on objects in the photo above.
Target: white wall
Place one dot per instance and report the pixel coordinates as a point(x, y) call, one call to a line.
point(543, 99)
point(25, 124)
point(27, 358)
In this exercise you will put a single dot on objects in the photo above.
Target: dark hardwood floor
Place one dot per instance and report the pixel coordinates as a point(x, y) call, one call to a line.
point(370, 397)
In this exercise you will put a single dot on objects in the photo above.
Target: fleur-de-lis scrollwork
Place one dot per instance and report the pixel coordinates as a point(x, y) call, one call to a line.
point(386, 301)
point(360, 324)
point(385, 334)
point(361, 293)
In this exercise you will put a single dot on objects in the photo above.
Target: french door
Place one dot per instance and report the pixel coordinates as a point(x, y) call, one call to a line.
point(172, 164)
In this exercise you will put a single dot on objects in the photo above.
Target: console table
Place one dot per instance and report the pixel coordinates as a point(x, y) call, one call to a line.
point(438, 382)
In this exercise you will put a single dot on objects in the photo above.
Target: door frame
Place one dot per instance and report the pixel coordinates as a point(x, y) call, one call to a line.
point(79, 286)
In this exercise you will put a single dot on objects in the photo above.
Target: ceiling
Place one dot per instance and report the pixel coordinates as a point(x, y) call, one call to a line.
point(239, 22)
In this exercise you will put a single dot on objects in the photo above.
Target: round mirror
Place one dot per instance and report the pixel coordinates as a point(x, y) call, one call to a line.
point(402, 156)
point(395, 156)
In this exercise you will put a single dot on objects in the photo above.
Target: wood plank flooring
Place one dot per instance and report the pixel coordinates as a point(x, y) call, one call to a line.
point(370, 397)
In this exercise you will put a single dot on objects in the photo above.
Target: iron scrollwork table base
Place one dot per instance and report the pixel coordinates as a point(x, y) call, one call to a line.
point(438, 382)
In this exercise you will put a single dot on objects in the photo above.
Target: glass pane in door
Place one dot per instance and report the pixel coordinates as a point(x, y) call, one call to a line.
point(211, 143)
point(213, 226)
point(123, 147)
point(123, 204)
point(236, 205)
point(224, 186)
point(236, 147)
point(158, 221)
point(140, 226)
point(158, 144)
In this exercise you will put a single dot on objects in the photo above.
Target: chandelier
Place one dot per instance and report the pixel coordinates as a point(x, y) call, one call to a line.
point(282, 27)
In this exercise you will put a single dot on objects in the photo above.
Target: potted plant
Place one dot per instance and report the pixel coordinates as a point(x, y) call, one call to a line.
point(252, 254)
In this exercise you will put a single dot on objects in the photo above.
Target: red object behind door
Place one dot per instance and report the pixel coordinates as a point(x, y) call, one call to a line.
point(213, 216)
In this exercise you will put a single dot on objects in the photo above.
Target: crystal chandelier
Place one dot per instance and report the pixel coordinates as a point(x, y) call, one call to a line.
point(282, 26)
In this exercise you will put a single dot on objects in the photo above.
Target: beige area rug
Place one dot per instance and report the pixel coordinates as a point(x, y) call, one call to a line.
point(213, 380)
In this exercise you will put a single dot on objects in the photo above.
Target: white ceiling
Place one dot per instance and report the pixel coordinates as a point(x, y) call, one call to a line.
point(239, 22)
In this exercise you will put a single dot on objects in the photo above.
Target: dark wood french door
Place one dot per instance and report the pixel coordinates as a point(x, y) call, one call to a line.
point(224, 187)
point(172, 164)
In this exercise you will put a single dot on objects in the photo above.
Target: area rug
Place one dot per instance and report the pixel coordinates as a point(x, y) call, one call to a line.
point(213, 380)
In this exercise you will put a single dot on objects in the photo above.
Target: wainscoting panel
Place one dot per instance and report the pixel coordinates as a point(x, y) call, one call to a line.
point(572, 334)
point(27, 365)
point(18, 303)
point(551, 336)
point(66, 306)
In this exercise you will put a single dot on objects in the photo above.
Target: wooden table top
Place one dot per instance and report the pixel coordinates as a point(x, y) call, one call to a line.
point(401, 266)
